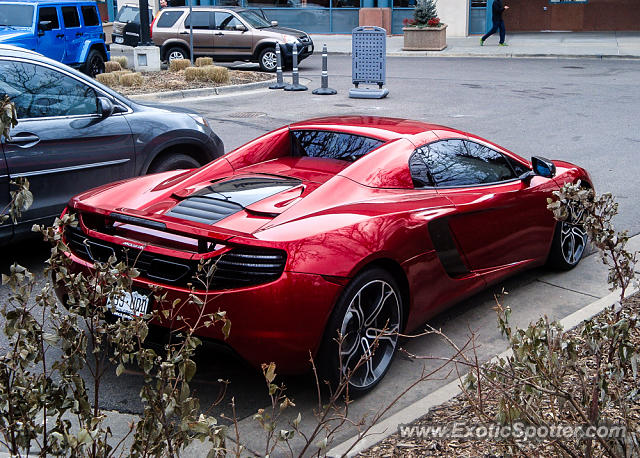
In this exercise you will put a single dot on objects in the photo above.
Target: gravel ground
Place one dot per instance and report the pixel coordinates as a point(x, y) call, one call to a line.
point(460, 410)
point(165, 80)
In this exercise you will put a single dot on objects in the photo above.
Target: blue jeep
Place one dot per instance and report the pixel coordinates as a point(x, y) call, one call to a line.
point(67, 31)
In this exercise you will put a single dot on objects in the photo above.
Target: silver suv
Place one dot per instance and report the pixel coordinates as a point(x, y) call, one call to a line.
point(227, 34)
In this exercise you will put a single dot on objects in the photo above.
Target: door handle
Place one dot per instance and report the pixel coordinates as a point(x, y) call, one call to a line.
point(184, 33)
point(219, 34)
point(60, 35)
point(78, 34)
point(23, 138)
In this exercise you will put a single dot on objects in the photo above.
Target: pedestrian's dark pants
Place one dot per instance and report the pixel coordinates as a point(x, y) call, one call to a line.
point(496, 25)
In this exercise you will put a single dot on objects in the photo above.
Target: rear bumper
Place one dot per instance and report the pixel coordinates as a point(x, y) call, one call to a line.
point(125, 39)
point(282, 321)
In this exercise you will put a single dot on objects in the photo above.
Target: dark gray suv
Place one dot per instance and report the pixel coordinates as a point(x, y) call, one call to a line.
point(74, 134)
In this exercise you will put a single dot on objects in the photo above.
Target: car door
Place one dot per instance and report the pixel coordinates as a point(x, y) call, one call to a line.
point(500, 220)
point(229, 41)
point(61, 144)
point(202, 32)
point(6, 229)
point(73, 35)
point(50, 42)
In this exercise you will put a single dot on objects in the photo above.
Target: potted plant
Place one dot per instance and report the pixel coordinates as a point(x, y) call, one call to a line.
point(424, 32)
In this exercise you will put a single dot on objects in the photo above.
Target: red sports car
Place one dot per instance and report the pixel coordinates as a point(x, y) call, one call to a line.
point(351, 224)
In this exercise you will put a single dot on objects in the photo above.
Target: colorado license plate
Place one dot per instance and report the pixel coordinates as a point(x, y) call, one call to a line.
point(128, 304)
point(119, 40)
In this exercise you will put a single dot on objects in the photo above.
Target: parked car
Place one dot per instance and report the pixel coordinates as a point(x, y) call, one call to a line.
point(74, 133)
point(350, 224)
point(67, 31)
point(227, 34)
point(126, 27)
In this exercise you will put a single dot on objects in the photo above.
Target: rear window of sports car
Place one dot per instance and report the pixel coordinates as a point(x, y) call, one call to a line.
point(331, 145)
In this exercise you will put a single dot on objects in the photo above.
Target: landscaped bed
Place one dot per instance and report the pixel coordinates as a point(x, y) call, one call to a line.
point(460, 409)
point(165, 80)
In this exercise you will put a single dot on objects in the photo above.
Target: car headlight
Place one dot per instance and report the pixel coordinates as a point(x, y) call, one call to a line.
point(289, 39)
point(200, 120)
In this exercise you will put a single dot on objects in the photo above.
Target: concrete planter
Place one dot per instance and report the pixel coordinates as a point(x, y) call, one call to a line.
point(425, 38)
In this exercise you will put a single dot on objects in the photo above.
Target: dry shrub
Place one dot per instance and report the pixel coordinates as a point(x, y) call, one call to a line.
point(216, 74)
point(131, 79)
point(179, 64)
point(109, 79)
point(112, 66)
point(194, 74)
point(203, 61)
point(119, 73)
point(122, 60)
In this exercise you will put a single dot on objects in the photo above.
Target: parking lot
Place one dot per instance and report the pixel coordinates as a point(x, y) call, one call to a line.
point(582, 111)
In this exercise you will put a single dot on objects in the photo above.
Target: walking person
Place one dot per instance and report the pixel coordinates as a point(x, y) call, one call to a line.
point(497, 9)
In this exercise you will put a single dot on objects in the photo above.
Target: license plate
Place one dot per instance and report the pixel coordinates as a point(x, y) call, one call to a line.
point(128, 304)
point(310, 48)
point(119, 40)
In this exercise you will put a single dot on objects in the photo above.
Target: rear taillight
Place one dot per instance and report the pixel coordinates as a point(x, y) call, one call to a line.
point(151, 26)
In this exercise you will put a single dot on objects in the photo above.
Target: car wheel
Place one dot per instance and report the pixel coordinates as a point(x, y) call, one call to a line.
point(268, 60)
point(569, 241)
point(94, 64)
point(173, 162)
point(176, 53)
point(370, 303)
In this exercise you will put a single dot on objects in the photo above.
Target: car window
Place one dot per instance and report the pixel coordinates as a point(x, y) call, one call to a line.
point(254, 19)
point(90, 15)
point(200, 20)
point(517, 167)
point(463, 163)
point(419, 171)
point(168, 19)
point(39, 91)
point(13, 15)
point(332, 145)
point(49, 14)
point(132, 14)
point(226, 21)
point(70, 17)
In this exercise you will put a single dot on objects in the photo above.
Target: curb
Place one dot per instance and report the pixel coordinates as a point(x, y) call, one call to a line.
point(499, 56)
point(203, 92)
point(420, 408)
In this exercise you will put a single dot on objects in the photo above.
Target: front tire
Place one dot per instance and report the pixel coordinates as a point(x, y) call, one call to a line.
point(94, 65)
point(268, 60)
point(370, 303)
point(173, 162)
point(569, 241)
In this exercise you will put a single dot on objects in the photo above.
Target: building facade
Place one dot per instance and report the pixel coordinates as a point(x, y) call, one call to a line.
point(463, 17)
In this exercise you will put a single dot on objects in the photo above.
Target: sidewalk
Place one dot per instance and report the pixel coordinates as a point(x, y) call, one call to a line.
point(598, 45)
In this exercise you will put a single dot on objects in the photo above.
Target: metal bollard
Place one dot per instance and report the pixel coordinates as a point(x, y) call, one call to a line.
point(295, 84)
point(279, 84)
point(324, 88)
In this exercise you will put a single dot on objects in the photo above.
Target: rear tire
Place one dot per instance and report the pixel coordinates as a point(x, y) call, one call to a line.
point(369, 303)
point(173, 162)
point(94, 65)
point(175, 53)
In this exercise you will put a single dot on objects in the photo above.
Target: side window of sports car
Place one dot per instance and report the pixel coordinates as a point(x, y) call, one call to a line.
point(464, 163)
point(419, 170)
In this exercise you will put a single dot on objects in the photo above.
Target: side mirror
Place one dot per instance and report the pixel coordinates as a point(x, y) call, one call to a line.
point(543, 167)
point(274, 23)
point(241, 28)
point(105, 106)
point(44, 26)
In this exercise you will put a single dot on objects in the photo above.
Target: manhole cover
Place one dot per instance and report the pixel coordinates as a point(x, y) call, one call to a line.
point(247, 114)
